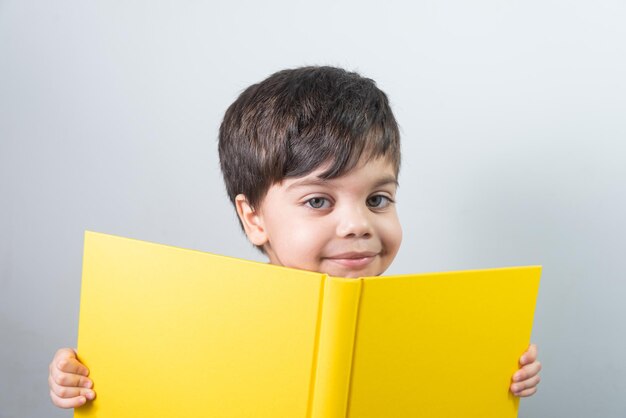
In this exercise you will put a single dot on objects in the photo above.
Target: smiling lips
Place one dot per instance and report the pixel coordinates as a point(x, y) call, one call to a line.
point(354, 259)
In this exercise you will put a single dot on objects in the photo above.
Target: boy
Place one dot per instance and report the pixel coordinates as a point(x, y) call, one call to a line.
point(310, 158)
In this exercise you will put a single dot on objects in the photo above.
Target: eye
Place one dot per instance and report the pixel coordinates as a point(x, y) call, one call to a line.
point(378, 201)
point(318, 203)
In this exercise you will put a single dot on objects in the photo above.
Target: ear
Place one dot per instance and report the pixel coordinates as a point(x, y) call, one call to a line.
point(251, 220)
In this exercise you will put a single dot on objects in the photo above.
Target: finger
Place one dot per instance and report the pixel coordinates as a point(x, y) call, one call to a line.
point(527, 371)
point(70, 364)
point(526, 384)
point(67, 403)
point(529, 356)
point(70, 380)
point(70, 392)
point(527, 392)
point(64, 353)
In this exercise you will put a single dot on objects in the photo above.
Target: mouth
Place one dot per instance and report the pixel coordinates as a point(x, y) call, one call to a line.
point(353, 260)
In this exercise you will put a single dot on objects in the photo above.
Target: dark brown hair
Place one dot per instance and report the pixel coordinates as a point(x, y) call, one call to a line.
point(295, 120)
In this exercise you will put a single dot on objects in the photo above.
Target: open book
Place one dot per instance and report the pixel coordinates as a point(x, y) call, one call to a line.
point(170, 332)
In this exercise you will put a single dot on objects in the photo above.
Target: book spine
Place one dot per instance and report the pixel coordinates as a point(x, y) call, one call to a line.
point(335, 347)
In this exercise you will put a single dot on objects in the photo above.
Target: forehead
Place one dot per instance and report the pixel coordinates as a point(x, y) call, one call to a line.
point(366, 174)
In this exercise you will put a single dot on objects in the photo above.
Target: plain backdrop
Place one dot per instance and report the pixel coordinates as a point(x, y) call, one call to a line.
point(513, 117)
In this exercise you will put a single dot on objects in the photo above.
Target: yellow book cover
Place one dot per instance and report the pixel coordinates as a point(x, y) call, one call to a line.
point(171, 332)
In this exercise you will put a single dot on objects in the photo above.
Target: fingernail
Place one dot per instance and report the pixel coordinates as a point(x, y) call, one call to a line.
point(516, 376)
point(87, 384)
point(523, 359)
point(90, 395)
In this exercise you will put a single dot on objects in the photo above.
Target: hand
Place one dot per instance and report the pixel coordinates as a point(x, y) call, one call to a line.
point(526, 379)
point(69, 385)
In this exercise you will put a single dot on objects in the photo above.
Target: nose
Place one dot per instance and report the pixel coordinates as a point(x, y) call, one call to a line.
point(354, 222)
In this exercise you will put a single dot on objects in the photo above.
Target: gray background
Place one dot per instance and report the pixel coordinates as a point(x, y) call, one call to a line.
point(513, 117)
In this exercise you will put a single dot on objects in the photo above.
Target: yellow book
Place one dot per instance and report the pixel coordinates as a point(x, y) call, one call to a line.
point(170, 332)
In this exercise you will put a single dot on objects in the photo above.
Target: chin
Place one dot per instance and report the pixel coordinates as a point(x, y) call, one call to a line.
point(354, 274)
point(350, 275)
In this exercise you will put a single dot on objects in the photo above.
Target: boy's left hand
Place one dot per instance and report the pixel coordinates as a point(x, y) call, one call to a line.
point(526, 379)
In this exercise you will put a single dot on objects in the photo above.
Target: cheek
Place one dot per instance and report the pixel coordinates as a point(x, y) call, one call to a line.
point(298, 244)
point(391, 233)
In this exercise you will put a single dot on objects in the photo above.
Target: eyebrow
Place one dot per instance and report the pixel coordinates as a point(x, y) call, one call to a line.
point(387, 180)
point(323, 182)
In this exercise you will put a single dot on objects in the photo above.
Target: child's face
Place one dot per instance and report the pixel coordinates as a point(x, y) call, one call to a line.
point(347, 226)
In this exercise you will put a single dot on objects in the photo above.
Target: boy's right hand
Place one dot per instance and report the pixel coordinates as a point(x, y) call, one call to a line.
point(69, 385)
